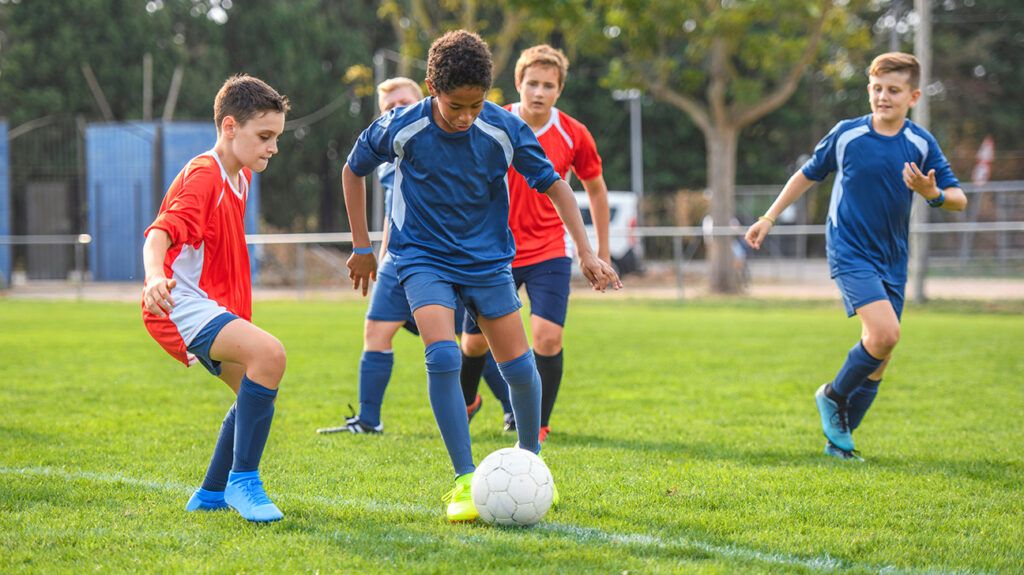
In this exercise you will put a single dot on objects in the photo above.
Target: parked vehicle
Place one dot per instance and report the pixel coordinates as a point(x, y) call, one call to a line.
point(626, 249)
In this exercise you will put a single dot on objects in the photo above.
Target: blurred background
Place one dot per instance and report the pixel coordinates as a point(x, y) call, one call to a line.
point(701, 111)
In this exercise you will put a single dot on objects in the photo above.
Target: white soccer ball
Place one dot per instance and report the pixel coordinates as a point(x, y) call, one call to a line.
point(512, 486)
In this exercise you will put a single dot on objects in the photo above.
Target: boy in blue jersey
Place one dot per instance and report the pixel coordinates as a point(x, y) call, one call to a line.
point(389, 308)
point(881, 160)
point(449, 235)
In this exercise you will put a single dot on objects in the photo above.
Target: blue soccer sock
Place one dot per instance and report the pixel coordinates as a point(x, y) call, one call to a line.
point(860, 401)
point(444, 361)
point(255, 412)
point(858, 366)
point(497, 383)
point(524, 389)
point(374, 375)
point(223, 454)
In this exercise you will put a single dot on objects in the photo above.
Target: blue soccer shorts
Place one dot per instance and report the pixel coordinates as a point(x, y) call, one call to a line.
point(425, 288)
point(547, 286)
point(862, 287)
point(203, 341)
point(388, 302)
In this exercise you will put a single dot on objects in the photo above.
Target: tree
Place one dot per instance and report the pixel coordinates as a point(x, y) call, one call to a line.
point(727, 64)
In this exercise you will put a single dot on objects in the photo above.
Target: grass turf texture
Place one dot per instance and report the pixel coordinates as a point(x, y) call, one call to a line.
point(685, 439)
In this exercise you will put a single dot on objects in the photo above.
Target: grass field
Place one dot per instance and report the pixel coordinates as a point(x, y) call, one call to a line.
point(685, 440)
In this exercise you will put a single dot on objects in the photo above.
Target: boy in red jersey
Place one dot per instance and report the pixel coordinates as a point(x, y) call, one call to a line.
point(197, 299)
point(543, 258)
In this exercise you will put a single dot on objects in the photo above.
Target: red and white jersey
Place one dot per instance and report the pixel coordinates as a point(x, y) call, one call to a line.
point(204, 214)
point(536, 227)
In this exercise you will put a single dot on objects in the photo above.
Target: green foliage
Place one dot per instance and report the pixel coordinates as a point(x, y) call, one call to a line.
point(685, 440)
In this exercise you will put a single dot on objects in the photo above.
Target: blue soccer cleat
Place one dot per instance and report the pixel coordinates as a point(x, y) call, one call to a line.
point(834, 420)
point(203, 500)
point(832, 451)
point(245, 495)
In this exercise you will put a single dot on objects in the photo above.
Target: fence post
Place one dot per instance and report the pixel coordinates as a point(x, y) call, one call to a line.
point(677, 258)
point(300, 269)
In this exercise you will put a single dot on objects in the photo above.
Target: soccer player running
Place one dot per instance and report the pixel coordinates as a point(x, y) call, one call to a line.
point(449, 235)
point(389, 309)
point(881, 160)
point(543, 258)
point(197, 299)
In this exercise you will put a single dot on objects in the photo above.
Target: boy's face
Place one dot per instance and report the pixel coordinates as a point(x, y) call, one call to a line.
point(539, 88)
point(892, 96)
point(402, 96)
point(456, 111)
point(254, 142)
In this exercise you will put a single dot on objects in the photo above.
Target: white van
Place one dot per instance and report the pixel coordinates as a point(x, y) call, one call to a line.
point(626, 249)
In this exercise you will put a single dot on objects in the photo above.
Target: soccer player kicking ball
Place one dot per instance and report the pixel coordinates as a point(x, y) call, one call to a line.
point(450, 239)
point(197, 300)
point(880, 161)
point(543, 258)
point(389, 309)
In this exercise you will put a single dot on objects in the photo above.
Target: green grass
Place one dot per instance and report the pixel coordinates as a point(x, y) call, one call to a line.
point(685, 440)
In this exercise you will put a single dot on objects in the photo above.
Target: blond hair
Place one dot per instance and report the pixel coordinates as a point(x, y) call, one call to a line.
point(392, 84)
point(897, 62)
point(542, 55)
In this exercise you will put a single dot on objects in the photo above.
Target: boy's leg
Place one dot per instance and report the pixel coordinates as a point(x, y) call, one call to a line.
point(264, 359)
point(880, 334)
point(547, 347)
point(211, 495)
point(497, 385)
point(474, 359)
point(547, 285)
point(375, 368)
point(861, 399)
point(518, 367)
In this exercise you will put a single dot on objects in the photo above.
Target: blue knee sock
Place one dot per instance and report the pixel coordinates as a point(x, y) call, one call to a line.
point(374, 374)
point(254, 413)
point(444, 361)
point(524, 389)
point(859, 365)
point(497, 383)
point(860, 401)
point(223, 455)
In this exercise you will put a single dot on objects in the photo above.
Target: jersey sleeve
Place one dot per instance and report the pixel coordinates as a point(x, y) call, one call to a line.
point(936, 160)
point(586, 163)
point(187, 213)
point(373, 147)
point(823, 161)
point(529, 159)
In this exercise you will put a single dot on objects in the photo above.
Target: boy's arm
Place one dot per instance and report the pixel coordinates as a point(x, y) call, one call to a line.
point(600, 274)
point(597, 191)
point(797, 185)
point(953, 198)
point(362, 267)
point(156, 293)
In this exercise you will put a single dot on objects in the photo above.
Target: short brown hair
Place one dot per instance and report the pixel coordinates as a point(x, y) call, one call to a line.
point(542, 55)
point(392, 84)
point(243, 96)
point(897, 62)
point(459, 59)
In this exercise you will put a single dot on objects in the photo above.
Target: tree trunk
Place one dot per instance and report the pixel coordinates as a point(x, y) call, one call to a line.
point(721, 145)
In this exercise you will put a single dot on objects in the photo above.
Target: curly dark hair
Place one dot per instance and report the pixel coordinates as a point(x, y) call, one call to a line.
point(457, 59)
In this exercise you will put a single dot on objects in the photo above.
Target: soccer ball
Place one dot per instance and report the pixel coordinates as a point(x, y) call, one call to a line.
point(512, 486)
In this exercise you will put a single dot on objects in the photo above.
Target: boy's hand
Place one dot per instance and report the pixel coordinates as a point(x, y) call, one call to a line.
point(156, 295)
point(362, 269)
point(916, 180)
point(757, 232)
point(600, 274)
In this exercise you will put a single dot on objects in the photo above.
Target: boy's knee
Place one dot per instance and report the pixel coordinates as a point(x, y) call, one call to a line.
point(474, 344)
point(443, 356)
point(881, 342)
point(270, 358)
point(547, 343)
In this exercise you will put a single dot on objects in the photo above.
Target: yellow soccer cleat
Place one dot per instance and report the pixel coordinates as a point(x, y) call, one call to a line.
point(460, 500)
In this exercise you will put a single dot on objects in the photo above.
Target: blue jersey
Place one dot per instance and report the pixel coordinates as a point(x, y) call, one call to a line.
point(386, 175)
point(869, 213)
point(449, 213)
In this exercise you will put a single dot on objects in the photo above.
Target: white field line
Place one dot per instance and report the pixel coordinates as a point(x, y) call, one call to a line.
point(823, 563)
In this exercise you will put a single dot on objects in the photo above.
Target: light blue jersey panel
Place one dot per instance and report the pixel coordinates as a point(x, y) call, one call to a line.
point(449, 205)
point(869, 213)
